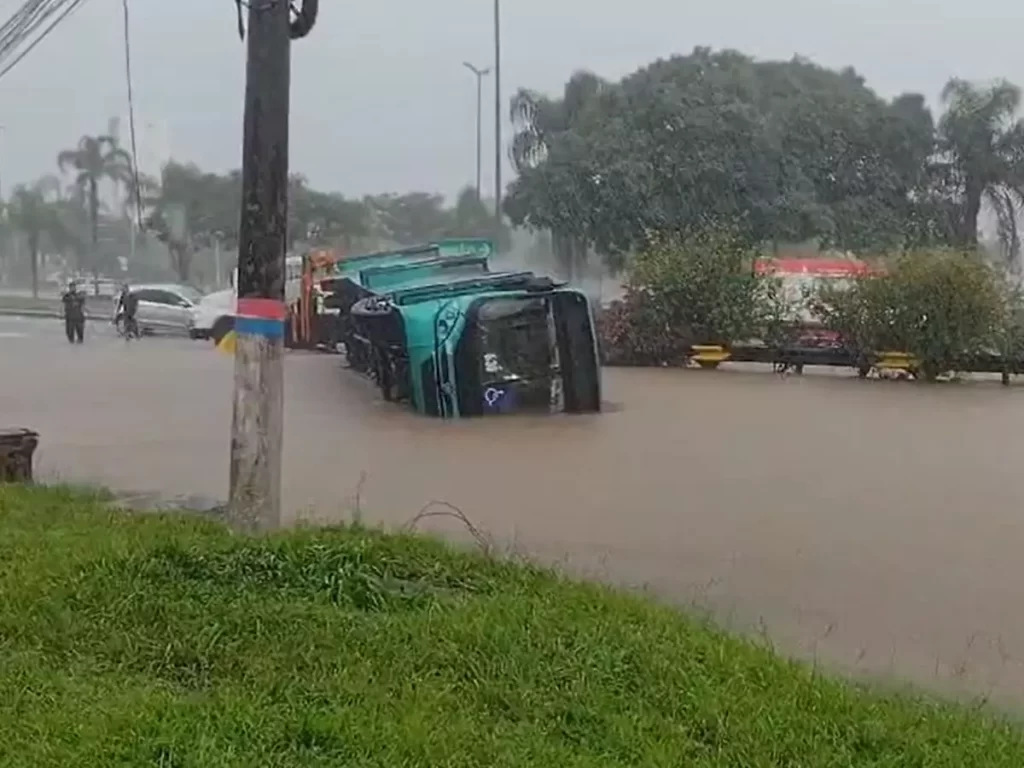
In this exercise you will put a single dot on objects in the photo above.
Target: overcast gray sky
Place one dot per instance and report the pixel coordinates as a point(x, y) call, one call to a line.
point(381, 102)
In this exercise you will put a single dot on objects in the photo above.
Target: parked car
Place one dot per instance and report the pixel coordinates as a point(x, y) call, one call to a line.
point(214, 316)
point(164, 309)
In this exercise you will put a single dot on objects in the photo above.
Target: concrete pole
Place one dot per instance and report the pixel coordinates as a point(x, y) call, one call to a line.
point(480, 74)
point(132, 240)
point(479, 131)
point(497, 118)
point(216, 261)
point(258, 417)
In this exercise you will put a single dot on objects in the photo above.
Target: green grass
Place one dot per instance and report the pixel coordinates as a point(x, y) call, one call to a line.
point(167, 641)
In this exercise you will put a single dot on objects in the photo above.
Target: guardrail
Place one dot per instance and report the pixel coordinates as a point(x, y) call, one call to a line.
point(96, 307)
point(795, 357)
point(52, 314)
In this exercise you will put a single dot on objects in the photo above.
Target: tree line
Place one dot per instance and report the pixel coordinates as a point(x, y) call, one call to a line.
point(173, 222)
point(782, 151)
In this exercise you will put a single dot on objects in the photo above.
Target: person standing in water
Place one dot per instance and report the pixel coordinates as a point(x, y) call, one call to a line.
point(127, 305)
point(74, 313)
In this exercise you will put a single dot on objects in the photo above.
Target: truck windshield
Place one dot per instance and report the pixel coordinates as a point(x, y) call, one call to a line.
point(519, 366)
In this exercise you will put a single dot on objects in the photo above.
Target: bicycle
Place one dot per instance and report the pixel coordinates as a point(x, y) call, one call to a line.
point(127, 328)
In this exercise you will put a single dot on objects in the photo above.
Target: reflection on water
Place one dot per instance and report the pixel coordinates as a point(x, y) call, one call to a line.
point(875, 524)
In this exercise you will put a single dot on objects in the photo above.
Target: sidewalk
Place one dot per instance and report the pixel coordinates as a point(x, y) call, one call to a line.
point(96, 307)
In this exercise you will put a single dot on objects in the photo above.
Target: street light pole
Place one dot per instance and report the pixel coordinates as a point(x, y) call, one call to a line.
point(480, 75)
point(497, 117)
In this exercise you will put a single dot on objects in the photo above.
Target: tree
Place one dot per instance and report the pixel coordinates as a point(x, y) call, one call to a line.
point(982, 142)
point(470, 218)
point(94, 159)
point(324, 218)
point(189, 208)
point(554, 190)
point(412, 218)
point(34, 212)
point(940, 306)
point(784, 151)
point(697, 289)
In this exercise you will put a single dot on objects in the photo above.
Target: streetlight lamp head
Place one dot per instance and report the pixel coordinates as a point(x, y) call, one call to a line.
point(476, 70)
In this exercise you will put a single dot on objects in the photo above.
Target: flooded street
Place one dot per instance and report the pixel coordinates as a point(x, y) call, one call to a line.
point(876, 526)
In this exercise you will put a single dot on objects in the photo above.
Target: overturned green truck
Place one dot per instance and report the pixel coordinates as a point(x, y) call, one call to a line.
point(436, 328)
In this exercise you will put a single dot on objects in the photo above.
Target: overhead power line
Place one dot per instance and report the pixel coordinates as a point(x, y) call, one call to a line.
point(29, 26)
point(32, 23)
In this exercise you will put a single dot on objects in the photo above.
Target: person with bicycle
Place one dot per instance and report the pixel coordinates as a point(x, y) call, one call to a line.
point(127, 305)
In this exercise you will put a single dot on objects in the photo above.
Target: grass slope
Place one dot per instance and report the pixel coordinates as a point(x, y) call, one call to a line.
point(165, 641)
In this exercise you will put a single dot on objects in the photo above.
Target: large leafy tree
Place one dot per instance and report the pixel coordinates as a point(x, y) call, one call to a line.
point(324, 218)
point(188, 209)
point(94, 159)
point(470, 217)
point(784, 151)
point(982, 145)
point(414, 217)
point(34, 212)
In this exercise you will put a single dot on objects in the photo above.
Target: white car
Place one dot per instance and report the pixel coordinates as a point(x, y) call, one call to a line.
point(163, 308)
point(214, 315)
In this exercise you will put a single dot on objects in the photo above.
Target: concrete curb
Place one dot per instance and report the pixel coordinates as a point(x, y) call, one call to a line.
point(42, 313)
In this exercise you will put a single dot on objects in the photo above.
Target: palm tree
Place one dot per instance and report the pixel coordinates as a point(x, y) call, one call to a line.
point(33, 211)
point(94, 159)
point(982, 141)
point(538, 120)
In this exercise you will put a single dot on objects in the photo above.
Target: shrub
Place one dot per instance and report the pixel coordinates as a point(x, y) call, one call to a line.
point(698, 288)
point(631, 333)
point(939, 306)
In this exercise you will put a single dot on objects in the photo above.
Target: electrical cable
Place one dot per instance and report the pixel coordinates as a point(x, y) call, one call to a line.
point(10, 40)
point(23, 22)
point(15, 28)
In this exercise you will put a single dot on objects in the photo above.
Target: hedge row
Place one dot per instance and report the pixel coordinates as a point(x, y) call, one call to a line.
point(938, 306)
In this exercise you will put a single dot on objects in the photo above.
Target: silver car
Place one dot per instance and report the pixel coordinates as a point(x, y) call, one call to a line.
point(164, 308)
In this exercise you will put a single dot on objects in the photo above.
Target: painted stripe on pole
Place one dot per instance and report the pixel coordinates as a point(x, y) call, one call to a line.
point(266, 309)
point(260, 326)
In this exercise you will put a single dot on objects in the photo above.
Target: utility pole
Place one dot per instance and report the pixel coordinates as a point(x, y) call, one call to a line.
point(480, 75)
point(497, 117)
point(258, 415)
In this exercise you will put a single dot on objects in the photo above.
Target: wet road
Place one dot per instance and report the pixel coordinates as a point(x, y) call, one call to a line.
point(876, 526)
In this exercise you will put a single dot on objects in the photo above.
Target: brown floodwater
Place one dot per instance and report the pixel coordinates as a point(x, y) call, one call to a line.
point(874, 526)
